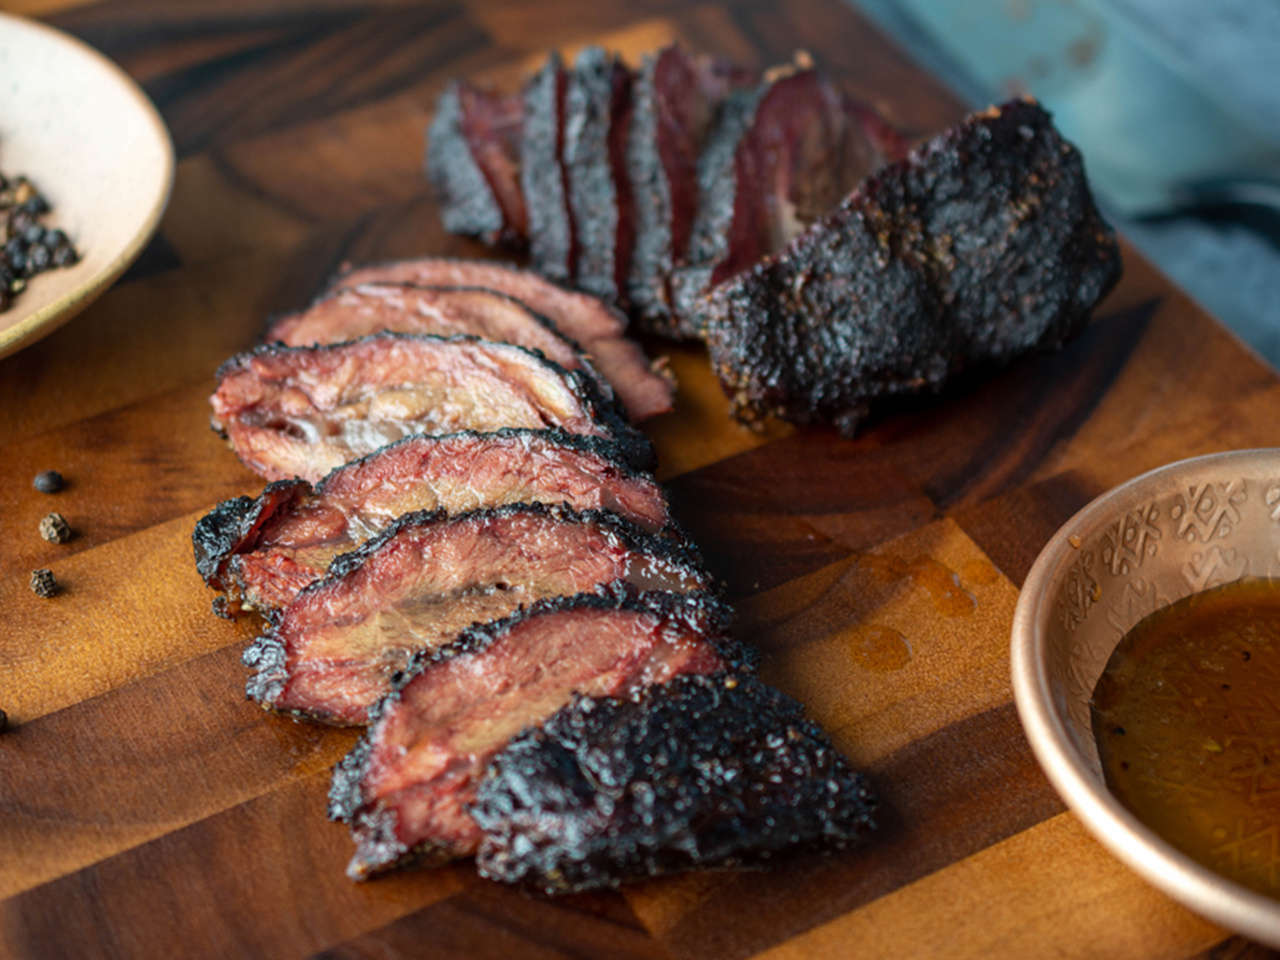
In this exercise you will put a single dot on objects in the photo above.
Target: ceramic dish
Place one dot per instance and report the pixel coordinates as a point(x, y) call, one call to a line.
point(1175, 531)
point(92, 143)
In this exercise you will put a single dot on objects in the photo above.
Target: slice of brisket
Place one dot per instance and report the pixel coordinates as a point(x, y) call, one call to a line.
point(406, 788)
point(677, 96)
point(982, 246)
point(337, 647)
point(553, 248)
point(597, 117)
point(302, 411)
point(595, 326)
point(700, 772)
point(473, 158)
point(262, 551)
point(370, 308)
point(781, 155)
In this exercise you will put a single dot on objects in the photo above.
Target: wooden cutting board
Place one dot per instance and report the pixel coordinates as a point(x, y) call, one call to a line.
point(147, 810)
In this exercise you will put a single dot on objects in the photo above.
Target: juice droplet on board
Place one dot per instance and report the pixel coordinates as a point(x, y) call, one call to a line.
point(981, 573)
point(939, 581)
point(878, 648)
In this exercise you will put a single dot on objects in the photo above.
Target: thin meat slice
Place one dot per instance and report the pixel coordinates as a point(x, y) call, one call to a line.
point(553, 247)
point(595, 326)
point(337, 648)
point(355, 312)
point(677, 96)
point(597, 117)
point(781, 155)
point(302, 411)
point(984, 245)
point(699, 772)
point(262, 551)
point(406, 787)
point(473, 158)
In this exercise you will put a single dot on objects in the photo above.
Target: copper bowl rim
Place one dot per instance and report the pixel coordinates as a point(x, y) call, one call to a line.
point(1198, 888)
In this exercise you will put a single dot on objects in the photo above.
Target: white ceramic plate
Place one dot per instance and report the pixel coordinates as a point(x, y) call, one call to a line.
point(91, 142)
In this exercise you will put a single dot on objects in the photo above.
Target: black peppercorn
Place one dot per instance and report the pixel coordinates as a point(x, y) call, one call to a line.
point(55, 529)
point(43, 583)
point(48, 481)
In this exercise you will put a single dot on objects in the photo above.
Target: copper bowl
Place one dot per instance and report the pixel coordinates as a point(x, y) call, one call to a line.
point(1163, 536)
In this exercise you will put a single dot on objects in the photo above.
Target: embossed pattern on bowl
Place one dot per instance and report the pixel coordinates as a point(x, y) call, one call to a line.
point(1165, 535)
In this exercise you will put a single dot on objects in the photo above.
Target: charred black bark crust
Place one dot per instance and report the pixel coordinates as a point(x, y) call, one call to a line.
point(693, 609)
point(467, 202)
point(552, 248)
point(703, 772)
point(599, 92)
point(652, 255)
point(717, 195)
point(982, 246)
point(380, 851)
point(223, 531)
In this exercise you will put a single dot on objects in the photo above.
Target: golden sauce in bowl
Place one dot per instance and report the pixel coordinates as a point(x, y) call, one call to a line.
point(1187, 720)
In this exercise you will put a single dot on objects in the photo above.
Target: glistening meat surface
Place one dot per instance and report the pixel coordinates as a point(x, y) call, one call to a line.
point(982, 246)
point(302, 411)
point(405, 789)
point(597, 328)
point(262, 551)
point(338, 646)
point(699, 772)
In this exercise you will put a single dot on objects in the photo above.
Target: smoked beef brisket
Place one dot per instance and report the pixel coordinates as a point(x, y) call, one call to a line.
point(702, 771)
point(592, 324)
point(302, 411)
point(338, 646)
point(473, 158)
point(597, 118)
point(553, 248)
point(982, 246)
point(677, 96)
point(781, 155)
point(262, 551)
point(406, 788)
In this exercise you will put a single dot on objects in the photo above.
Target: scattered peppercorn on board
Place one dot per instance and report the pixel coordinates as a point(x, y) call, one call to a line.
point(147, 810)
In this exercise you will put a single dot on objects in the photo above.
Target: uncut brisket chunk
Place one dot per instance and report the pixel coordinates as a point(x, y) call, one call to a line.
point(587, 320)
point(704, 771)
point(406, 787)
point(677, 95)
point(302, 411)
point(370, 308)
point(473, 158)
point(781, 155)
point(553, 248)
point(982, 246)
point(262, 551)
point(597, 118)
point(336, 648)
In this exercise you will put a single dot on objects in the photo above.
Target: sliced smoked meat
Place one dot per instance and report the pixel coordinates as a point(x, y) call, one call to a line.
point(703, 771)
point(982, 246)
point(406, 788)
point(595, 326)
point(355, 312)
point(302, 411)
point(781, 155)
point(336, 649)
point(262, 551)
point(597, 118)
point(676, 99)
point(473, 158)
point(553, 248)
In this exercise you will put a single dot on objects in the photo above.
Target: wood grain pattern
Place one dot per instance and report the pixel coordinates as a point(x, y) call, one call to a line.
point(147, 811)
